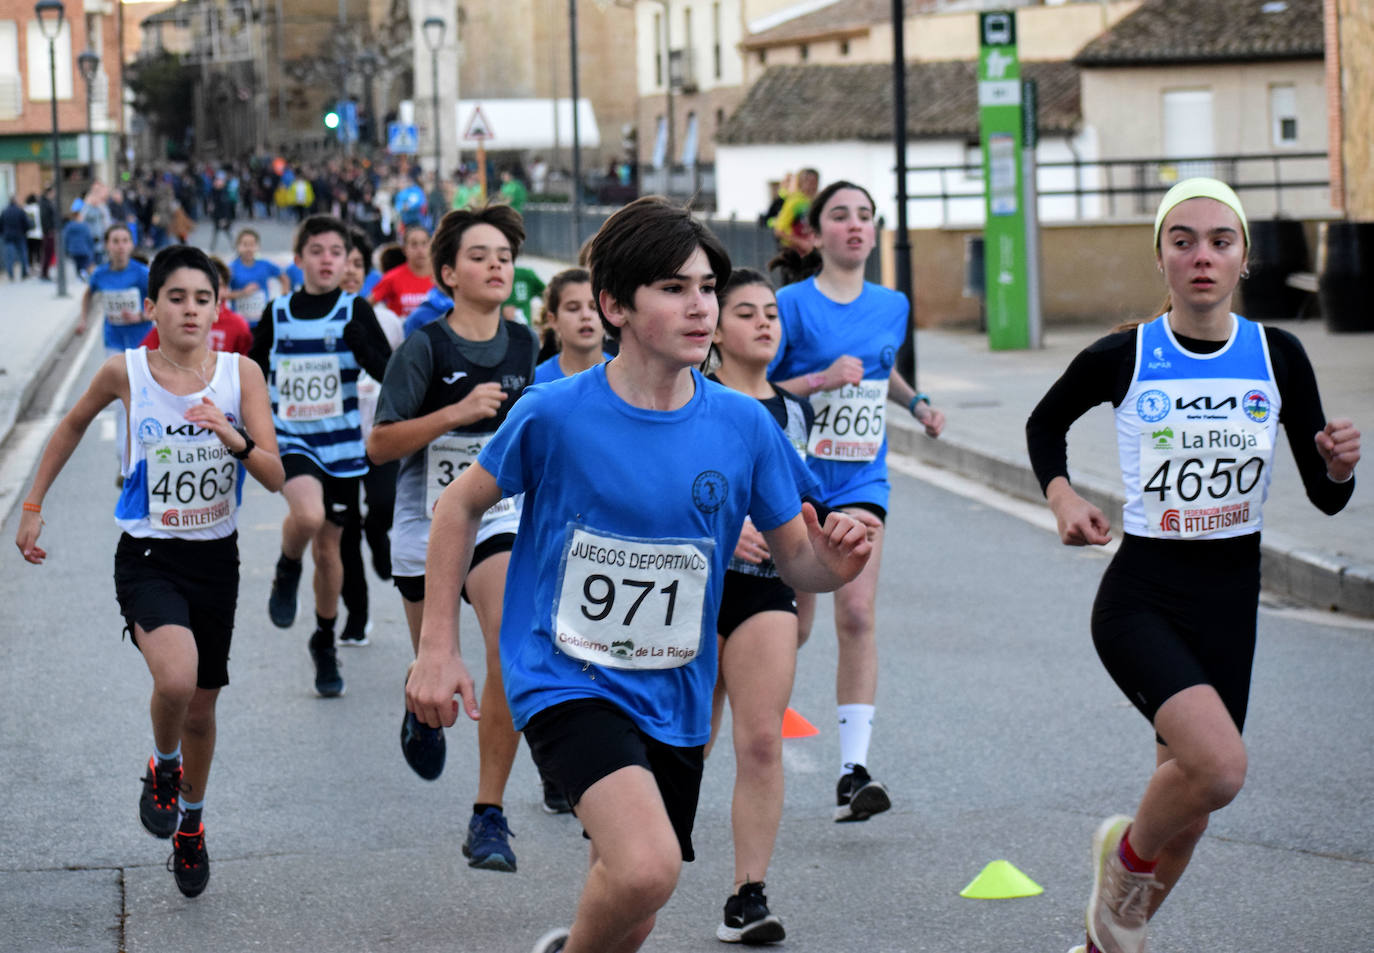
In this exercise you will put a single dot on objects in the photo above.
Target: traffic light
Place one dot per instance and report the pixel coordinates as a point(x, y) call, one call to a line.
point(331, 119)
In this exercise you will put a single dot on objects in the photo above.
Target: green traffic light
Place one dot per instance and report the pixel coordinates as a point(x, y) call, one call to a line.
point(331, 120)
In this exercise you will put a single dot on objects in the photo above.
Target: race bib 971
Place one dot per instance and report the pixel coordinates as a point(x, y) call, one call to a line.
point(631, 603)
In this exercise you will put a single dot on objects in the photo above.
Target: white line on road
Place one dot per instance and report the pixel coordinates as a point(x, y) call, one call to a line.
point(27, 439)
point(1041, 516)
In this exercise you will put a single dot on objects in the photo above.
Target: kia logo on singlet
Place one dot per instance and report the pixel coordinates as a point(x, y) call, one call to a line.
point(1207, 403)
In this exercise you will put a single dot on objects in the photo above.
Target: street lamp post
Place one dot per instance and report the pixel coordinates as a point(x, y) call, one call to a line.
point(434, 28)
point(50, 14)
point(89, 62)
point(368, 63)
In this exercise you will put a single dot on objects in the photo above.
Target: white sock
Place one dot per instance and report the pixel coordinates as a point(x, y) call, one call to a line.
point(174, 756)
point(856, 728)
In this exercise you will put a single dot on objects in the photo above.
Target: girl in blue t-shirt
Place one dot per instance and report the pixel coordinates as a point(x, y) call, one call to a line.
point(757, 623)
point(841, 335)
point(574, 326)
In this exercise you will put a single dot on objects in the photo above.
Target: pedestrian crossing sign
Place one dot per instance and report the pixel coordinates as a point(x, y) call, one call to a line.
point(402, 139)
point(478, 128)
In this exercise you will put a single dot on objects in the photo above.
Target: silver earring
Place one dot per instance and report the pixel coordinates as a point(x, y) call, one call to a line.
point(1245, 272)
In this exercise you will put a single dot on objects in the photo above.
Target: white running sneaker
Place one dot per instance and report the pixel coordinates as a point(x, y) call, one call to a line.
point(1119, 907)
point(551, 942)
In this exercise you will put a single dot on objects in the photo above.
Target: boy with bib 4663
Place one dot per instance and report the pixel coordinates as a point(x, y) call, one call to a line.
point(199, 422)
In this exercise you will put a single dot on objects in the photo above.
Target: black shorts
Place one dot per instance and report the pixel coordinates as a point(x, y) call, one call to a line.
point(412, 588)
point(577, 743)
point(192, 583)
point(340, 493)
point(744, 596)
point(1171, 614)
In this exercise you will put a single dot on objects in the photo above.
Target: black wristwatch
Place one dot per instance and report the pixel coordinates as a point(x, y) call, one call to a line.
point(248, 448)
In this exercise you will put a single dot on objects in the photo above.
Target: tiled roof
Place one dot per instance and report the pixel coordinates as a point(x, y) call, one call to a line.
point(1206, 31)
point(833, 103)
point(841, 18)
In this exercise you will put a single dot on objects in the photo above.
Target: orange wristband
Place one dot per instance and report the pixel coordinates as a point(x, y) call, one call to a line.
point(32, 508)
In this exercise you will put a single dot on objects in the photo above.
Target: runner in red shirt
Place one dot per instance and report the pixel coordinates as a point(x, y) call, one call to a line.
point(404, 287)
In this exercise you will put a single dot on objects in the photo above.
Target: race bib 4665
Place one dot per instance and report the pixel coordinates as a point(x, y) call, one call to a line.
point(849, 422)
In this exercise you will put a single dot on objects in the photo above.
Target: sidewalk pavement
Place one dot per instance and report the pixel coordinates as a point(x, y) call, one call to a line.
point(34, 325)
point(1322, 561)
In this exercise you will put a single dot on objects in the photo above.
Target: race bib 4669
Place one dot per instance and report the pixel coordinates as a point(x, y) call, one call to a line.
point(309, 387)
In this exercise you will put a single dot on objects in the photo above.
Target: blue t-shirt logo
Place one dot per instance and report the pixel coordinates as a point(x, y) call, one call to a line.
point(709, 490)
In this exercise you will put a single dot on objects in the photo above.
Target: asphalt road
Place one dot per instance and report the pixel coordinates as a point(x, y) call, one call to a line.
point(998, 733)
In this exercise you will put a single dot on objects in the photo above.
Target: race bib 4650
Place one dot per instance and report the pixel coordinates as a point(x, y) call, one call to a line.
point(1199, 479)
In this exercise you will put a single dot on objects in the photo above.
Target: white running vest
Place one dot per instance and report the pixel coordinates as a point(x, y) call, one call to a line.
point(180, 482)
point(1196, 435)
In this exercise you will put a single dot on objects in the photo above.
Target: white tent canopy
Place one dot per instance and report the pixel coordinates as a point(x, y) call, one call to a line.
point(520, 124)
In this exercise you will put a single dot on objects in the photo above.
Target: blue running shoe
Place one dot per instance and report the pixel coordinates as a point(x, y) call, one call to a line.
point(423, 747)
point(488, 846)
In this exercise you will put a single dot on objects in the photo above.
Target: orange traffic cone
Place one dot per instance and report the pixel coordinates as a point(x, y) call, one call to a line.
point(795, 726)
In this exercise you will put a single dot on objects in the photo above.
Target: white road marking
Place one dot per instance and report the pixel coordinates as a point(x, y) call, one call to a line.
point(26, 441)
point(1036, 514)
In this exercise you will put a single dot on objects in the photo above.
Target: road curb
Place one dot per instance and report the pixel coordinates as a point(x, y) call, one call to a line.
point(1322, 580)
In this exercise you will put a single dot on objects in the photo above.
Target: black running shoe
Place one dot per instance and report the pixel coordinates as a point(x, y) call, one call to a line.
point(283, 602)
point(328, 682)
point(858, 797)
point(555, 801)
point(189, 863)
point(747, 919)
point(356, 630)
point(423, 747)
point(157, 807)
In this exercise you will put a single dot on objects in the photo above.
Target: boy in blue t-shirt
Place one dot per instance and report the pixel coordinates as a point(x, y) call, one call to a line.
point(117, 291)
point(249, 291)
point(633, 503)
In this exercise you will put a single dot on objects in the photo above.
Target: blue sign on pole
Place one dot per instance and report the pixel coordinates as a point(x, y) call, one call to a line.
point(402, 139)
point(348, 121)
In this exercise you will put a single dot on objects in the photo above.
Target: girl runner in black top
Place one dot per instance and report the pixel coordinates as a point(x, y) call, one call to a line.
point(1199, 393)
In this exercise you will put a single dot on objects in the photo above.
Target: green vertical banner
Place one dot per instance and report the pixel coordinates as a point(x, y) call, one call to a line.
point(1004, 234)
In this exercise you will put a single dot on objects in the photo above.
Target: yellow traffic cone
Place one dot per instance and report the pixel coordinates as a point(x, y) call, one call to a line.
point(1000, 880)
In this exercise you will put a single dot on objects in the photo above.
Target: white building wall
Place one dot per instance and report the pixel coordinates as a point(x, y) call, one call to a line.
point(700, 44)
point(743, 173)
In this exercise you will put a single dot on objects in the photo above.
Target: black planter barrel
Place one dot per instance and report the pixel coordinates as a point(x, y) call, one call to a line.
point(1345, 287)
point(1278, 248)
